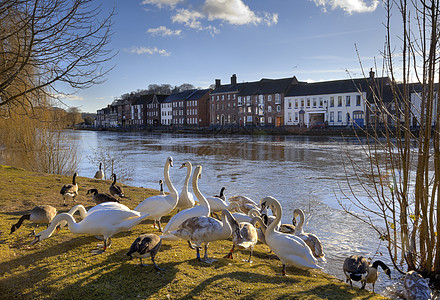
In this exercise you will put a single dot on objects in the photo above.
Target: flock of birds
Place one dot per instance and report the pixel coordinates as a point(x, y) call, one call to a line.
point(197, 224)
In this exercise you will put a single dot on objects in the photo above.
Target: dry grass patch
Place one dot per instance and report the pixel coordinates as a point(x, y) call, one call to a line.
point(63, 266)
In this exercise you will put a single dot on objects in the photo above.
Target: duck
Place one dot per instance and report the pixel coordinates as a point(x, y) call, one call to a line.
point(116, 190)
point(146, 245)
point(160, 205)
point(99, 198)
point(311, 240)
point(161, 191)
point(41, 214)
point(244, 236)
point(101, 222)
point(202, 210)
point(186, 199)
point(373, 273)
point(246, 204)
point(100, 173)
point(222, 194)
point(290, 249)
point(70, 190)
point(201, 230)
point(356, 269)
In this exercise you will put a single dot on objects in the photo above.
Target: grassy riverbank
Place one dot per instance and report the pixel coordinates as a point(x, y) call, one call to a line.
point(63, 266)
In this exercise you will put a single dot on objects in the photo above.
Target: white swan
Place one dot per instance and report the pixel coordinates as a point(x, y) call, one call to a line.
point(239, 216)
point(186, 199)
point(216, 204)
point(244, 236)
point(103, 222)
point(160, 205)
point(205, 230)
point(311, 240)
point(246, 204)
point(201, 210)
point(290, 249)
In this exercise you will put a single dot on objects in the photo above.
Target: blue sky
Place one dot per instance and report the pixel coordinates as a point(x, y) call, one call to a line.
point(198, 41)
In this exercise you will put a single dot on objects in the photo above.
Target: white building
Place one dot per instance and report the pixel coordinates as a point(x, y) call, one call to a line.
point(166, 113)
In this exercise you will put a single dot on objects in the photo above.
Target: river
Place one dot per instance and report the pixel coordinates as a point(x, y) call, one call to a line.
point(301, 172)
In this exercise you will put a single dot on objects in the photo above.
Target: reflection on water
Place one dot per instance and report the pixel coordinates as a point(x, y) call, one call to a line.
point(301, 172)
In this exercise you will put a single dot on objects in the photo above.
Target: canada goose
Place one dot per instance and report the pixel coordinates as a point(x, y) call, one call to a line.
point(356, 268)
point(160, 205)
point(244, 236)
point(246, 204)
point(201, 210)
point(41, 214)
point(146, 245)
point(70, 190)
point(222, 194)
point(311, 240)
point(99, 198)
point(373, 273)
point(100, 173)
point(205, 230)
point(116, 190)
point(289, 248)
point(105, 222)
point(186, 199)
point(161, 192)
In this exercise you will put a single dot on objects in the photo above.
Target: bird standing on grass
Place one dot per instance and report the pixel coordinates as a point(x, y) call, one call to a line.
point(100, 173)
point(116, 190)
point(70, 190)
point(41, 214)
point(146, 245)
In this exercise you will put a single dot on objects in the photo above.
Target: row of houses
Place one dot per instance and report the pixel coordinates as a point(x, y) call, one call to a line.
point(267, 102)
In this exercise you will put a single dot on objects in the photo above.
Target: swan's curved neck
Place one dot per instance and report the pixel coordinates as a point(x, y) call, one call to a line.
point(171, 188)
point(199, 195)
point(234, 206)
point(73, 226)
point(82, 210)
point(299, 228)
point(188, 175)
point(227, 220)
point(257, 219)
point(277, 221)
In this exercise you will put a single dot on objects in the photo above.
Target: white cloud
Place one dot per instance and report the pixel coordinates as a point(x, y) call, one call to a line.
point(67, 97)
point(161, 3)
point(147, 50)
point(234, 12)
point(350, 6)
point(163, 31)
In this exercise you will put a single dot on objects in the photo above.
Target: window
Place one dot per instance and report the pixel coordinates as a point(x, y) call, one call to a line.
point(308, 102)
point(321, 102)
point(314, 102)
point(269, 98)
point(339, 116)
point(217, 98)
point(229, 105)
point(248, 100)
point(223, 106)
point(277, 99)
point(269, 120)
point(269, 108)
point(332, 101)
point(358, 100)
point(296, 117)
point(290, 104)
point(229, 97)
point(289, 117)
point(347, 100)
point(332, 116)
point(260, 99)
point(249, 109)
point(240, 102)
point(249, 119)
point(278, 108)
point(223, 97)
point(302, 102)
point(296, 103)
point(339, 101)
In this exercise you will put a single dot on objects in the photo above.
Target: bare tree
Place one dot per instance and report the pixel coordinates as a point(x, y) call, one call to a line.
point(401, 172)
point(50, 47)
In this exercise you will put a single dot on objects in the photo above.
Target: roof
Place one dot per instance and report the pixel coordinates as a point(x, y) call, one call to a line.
point(179, 96)
point(333, 87)
point(264, 86)
point(144, 99)
point(198, 94)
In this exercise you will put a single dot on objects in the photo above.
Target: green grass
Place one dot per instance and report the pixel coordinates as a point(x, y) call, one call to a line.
point(63, 267)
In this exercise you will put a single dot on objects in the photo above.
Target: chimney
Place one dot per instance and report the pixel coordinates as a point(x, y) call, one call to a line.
point(371, 74)
point(217, 83)
point(234, 79)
